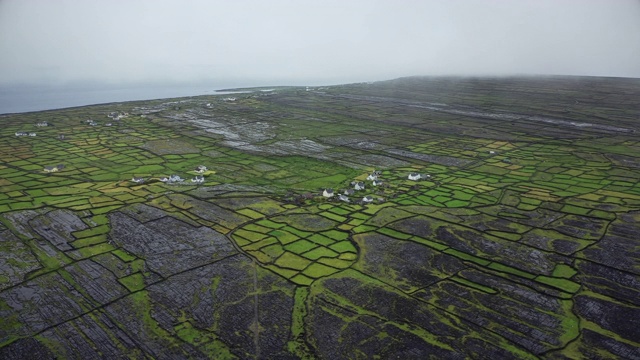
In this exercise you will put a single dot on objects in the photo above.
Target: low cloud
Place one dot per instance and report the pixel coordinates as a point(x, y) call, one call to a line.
point(300, 42)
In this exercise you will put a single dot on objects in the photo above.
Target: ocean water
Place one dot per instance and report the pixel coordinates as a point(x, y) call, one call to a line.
point(26, 99)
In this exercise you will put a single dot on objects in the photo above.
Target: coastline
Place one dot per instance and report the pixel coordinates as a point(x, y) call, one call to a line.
point(34, 99)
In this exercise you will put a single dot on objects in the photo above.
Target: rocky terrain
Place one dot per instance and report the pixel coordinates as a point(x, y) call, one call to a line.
point(516, 238)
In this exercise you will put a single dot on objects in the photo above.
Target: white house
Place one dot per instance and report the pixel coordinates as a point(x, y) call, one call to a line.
point(359, 186)
point(49, 169)
point(172, 179)
point(116, 115)
point(175, 178)
point(327, 193)
point(377, 182)
point(199, 179)
point(414, 176)
point(343, 198)
point(137, 180)
point(367, 199)
point(372, 177)
point(200, 169)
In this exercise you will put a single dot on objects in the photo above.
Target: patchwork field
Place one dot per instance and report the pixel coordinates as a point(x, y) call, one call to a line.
point(519, 239)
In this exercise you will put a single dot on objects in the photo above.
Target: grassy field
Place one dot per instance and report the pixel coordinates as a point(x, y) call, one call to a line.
point(519, 239)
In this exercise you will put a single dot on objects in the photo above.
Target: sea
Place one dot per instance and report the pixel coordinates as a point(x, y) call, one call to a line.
point(31, 98)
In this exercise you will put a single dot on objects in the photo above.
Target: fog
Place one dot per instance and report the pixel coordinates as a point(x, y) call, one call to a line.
point(281, 42)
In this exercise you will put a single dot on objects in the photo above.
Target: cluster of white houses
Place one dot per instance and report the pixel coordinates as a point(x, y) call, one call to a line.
point(176, 179)
point(117, 115)
point(360, 185)
point(89, 122)
point(32, 134)
point(94, 123)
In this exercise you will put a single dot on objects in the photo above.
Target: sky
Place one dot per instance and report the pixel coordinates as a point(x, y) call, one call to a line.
point(298, 42)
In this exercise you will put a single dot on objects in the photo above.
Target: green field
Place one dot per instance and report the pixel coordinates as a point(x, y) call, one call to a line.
point(519, 240)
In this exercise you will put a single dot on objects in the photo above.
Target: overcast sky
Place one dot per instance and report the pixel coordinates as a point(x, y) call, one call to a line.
point(312, 42)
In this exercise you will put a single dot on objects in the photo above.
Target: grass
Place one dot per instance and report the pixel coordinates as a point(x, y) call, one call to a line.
point(93, 250)
point(320, 252)
point(562, 284)
point(394, 233)
point(317, 270)
point(92, 232)
point(300, 246)
point(343, 247)
point(467, 257)
point(574, 175)
point(284, 237)
point(335, 235)
point(292, 261)
point(133, 282)
point(251, 235)
point(321, 239)
point(123, 255)
point(564, 271)
point(88, 241)
point(510, 270)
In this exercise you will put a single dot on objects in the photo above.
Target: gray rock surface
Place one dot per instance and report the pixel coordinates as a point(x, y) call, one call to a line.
point(57, 227)
point(17, 260)
point(168, 245)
